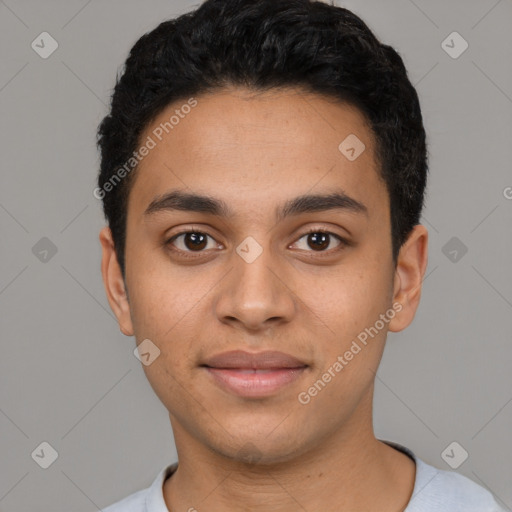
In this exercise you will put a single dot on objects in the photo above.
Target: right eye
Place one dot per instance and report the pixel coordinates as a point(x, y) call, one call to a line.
point(189, 241)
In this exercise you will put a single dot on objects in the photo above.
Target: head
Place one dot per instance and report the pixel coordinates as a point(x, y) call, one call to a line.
point(260, 126)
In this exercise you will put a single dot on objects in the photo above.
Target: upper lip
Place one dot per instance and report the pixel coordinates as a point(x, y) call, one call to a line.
point(270, 359)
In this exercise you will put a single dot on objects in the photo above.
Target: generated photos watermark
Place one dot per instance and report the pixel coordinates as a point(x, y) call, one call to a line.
point(343, 360)
point(150, 143)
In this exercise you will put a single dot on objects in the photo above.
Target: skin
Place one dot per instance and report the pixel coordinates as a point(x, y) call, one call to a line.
point(255, 151)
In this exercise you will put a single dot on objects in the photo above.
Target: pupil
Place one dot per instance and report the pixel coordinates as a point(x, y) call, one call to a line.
point(320, 239)
point(198, 240)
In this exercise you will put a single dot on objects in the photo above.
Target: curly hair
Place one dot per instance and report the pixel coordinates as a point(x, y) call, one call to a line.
point(262, 45)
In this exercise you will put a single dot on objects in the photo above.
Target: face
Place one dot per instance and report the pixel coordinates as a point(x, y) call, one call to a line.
point(260, 270)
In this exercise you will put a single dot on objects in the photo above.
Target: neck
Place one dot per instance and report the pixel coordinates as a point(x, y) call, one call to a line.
point(348, 471)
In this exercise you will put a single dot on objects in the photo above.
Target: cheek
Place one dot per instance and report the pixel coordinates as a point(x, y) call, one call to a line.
point(167, 314)
point(348, 300)
point(349, 352)
point(166, 378)
point(161, 301)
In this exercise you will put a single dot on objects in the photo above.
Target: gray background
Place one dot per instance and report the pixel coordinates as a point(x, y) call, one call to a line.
point(69, 377)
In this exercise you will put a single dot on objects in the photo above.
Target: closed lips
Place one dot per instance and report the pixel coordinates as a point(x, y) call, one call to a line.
point(251, 362)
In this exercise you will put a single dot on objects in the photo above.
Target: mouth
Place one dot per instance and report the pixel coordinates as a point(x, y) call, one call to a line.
point(254, 375)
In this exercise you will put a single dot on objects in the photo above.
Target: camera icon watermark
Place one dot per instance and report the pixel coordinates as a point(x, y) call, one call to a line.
point(44, 45)
point(249, 249)
point(45, 455)
point(351, 147)
point(146, 352)
point(454, 249)
point(454, 455)
point(454, 45)
point(249, 453)
point(44, 250)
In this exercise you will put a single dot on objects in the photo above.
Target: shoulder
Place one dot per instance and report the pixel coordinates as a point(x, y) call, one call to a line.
point(437, 490)
point(146, 500)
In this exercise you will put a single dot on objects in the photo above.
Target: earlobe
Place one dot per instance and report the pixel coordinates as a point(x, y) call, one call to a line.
point(410, 270)
point(114, 283)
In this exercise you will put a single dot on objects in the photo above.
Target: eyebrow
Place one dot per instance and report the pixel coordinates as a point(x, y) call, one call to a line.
point(308, 203)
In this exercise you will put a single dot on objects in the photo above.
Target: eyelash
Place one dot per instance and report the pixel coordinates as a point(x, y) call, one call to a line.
point(188, 254)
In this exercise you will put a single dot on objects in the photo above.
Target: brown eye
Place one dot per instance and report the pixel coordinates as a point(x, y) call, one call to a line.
point(195, 241)
point(319, 241)
point(190, 241)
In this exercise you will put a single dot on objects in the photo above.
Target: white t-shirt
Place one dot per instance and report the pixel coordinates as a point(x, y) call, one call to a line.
point(434, 490)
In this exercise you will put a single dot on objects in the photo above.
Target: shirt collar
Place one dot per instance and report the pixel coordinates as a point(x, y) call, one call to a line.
point(155, 497)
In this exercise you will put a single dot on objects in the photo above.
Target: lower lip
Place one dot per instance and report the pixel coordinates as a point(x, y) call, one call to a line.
point(255, 384)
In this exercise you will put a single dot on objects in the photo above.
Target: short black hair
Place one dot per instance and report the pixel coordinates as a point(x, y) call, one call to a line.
point(264, 45)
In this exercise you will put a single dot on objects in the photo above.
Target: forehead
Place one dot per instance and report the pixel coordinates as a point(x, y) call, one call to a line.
point(237, 145)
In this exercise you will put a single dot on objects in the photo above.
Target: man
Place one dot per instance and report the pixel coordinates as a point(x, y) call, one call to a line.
point(263, 173)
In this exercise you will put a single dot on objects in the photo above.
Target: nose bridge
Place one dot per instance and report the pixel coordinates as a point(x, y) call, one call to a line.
point(253, 292)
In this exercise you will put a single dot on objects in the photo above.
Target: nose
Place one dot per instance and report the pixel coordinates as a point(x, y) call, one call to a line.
point(256, 293)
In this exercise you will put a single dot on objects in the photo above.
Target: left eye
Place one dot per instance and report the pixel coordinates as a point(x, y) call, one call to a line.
point(319, 241)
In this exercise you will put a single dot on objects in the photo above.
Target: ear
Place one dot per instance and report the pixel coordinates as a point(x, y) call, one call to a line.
point(114, 282)
point(410, 269)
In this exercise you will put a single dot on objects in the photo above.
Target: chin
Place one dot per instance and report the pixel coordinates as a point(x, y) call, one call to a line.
point(258, 448)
